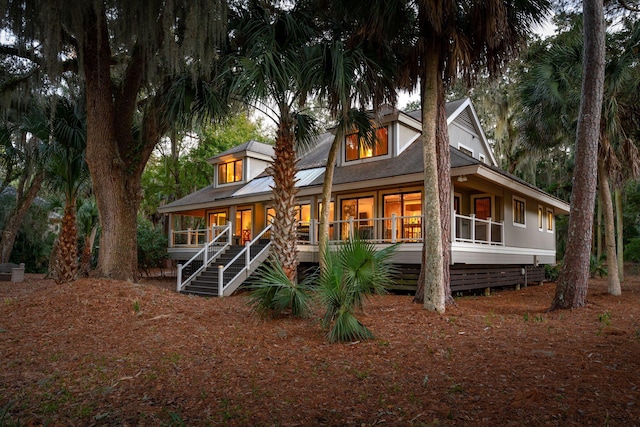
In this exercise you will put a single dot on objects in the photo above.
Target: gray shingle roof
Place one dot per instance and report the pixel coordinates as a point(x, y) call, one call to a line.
point(254, 146)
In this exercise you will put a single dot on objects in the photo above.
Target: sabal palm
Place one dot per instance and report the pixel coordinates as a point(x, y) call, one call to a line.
point(349, 78)
point(271, 73)
point(352, 272)
point(550, 96)
point(67, 172)
point(455, 39)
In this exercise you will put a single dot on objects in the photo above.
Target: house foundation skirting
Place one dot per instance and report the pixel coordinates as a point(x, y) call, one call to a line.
point(465, 277)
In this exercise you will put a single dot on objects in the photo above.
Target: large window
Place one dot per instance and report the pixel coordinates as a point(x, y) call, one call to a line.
point(519, 209)
point(408, 208)
point(357, 148)
point(230, 172)
point(361, 211)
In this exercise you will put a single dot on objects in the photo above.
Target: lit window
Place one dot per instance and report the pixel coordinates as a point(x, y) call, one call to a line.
point(549, 220)
point(356, 148)
point(540, 217)
point(519, 209)
point(230, 172)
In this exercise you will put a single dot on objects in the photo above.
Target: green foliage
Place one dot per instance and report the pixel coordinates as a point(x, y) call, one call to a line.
point(632, 250)
point(152, 245)
point(180, 166)
point(605, 318)
point(596, 266)
point(272, 293)
point(35, 238)
point(551, 272)
point(353, 272)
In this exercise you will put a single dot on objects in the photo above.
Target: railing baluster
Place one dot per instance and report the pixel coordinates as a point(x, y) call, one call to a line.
point(473, 228)
point(394, 228)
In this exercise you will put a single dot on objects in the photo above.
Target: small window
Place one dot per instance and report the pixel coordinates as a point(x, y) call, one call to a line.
point(482, 158)
point(519, 209)
point(230, 172)
point(549, 221)
point(356, 148)
point(466, 150)
point(540, 217)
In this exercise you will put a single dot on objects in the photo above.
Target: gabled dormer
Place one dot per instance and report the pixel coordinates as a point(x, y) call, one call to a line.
point(241, 164)
point(395, 131)
point(465, 130)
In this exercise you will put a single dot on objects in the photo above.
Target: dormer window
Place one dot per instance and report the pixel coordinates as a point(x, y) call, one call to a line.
point(230, 172)
point(356, 148)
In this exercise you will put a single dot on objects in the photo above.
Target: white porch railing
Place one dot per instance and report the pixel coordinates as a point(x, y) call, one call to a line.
point(210, 251)
point(190, 238)
point(250, 263)
point(469, 229)
point(395, 229)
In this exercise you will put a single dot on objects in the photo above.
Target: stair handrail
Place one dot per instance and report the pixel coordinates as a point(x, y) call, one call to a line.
point(206, 256)
point(245, 251)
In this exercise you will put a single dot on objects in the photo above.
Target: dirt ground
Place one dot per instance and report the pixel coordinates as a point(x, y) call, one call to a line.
point(101, 352)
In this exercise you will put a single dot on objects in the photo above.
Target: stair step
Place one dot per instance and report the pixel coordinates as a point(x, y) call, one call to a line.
point(206, 283)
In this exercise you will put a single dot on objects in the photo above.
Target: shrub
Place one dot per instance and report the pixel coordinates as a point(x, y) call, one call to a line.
point(152, 246)
point(632, 250)
point(353, 272)
point(551, 272)
point(596, 266)
point(272, 293)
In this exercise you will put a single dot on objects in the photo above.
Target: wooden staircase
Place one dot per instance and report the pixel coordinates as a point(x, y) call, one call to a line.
point(207, 282)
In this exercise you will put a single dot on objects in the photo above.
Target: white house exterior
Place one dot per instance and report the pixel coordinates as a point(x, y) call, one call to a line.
point(503, 229)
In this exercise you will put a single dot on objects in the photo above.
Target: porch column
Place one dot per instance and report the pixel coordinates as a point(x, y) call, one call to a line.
point(171, 232)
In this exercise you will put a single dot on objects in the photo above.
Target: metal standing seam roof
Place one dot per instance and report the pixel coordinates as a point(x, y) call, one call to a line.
point(265, 183)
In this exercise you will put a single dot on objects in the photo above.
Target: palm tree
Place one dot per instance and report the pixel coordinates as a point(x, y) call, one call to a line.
point(353, 72)
point(550, 96)
point(271, 73)
point(67, 171)
point(352, 273)
point(455, 39)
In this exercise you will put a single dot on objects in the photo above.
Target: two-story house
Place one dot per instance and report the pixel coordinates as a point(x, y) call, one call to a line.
point(503, 229)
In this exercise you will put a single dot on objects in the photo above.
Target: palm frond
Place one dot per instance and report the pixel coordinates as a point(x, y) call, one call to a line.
point(272, 293)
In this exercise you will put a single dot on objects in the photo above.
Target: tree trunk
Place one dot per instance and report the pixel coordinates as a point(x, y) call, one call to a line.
point(283, 171)
point(23, 203)
point(327, 185)
point(598, 230)
point(571, 289)
point(444, 184)
point(432, 268)
point(620, 236)
point(66, 262)
point(613, 278)
point(115, 159)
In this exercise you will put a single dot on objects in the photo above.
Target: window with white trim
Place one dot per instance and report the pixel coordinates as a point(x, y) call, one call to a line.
point(519, 212)
point(230, 172)
point(466, 150)
point(540, 218)
point(356, 148)
point(550, 220)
